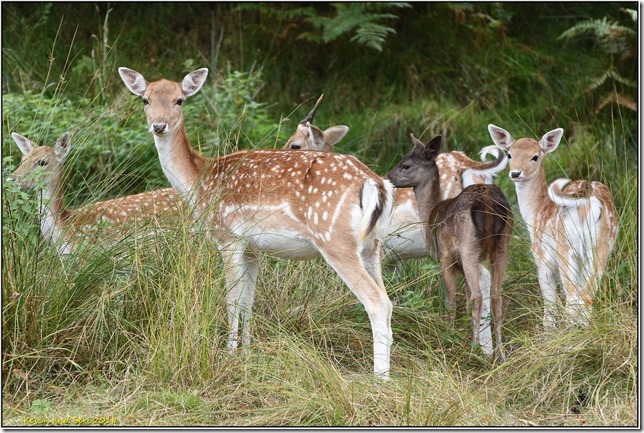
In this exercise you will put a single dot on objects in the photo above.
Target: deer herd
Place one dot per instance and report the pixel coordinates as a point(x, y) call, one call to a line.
point(305, 201)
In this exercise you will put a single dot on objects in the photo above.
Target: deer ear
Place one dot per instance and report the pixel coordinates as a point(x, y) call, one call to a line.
point(417, 143)
point(335, 134)
point(194, 81)
point(62, 147)
point(24, 144)
point(500, 137)
point(550, 140)
point(133, 81)
point(433, 147)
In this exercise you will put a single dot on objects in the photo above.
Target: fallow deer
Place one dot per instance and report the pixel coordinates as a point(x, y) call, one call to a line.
point(461, 233)
point(405, 238)
point(65, 228)
point(572, 229)
point(293, 205)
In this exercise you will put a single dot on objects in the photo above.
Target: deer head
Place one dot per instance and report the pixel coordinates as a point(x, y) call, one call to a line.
point(40, 162)
point(163, 110)
point(310, 137)
point(526, 157)
point(418, 165)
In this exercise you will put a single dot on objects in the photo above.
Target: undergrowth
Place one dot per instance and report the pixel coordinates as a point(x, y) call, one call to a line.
point(136, 333)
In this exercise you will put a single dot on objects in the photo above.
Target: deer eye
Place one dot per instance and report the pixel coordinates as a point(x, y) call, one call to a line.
point(145, 101)
point(180, 102)
point(41, 163)
point(405, 167)
point(535, 158)
point(509, 156)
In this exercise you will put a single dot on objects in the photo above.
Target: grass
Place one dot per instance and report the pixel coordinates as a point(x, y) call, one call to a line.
point(135, 334)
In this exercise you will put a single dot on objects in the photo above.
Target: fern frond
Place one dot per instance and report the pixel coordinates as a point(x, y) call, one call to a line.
point(372, 35)
point(611, 36)
point(618, 99)
point(614, 75)
point(362, 18)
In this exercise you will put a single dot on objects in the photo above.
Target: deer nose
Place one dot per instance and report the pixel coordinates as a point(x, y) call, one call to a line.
point(159, 128)
point(515, 174)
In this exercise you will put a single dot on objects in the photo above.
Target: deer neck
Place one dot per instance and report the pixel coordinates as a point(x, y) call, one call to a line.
point(532, 195)
point(427, 195)
point(180, 163)
point(51, 211)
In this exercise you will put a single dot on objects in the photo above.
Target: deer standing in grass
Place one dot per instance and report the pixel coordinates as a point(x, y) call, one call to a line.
point(405, 238)
point(572, 225)
point(66, 228)
point(293, 205)
point(461, 233)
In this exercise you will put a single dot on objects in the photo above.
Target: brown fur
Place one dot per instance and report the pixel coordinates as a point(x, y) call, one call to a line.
point(463, 231)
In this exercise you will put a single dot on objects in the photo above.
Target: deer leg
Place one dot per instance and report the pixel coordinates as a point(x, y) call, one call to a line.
point(547, 282)
point(485, 332)
point(248, 297)
point(449, 271)
point(240, 284)
point(353, 270)
point(498, 269)
point(372, 259)
point(575, 282)
point(471, 271)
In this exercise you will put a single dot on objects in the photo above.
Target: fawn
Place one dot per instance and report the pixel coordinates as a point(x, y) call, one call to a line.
point(572, 225)
point(461, 233)
point(66, 228)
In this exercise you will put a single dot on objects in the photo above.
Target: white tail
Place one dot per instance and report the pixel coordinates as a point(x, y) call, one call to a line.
point(295, 205)
point(573, 225)
point(65, 228)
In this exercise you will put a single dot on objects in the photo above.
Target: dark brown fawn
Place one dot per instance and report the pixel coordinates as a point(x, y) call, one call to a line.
point(461, 233)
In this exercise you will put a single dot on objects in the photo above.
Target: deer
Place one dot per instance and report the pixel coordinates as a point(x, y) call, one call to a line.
point(65, 228)
point(405, 238)
point(461, 233)
point(573, 225)
point(290, 205)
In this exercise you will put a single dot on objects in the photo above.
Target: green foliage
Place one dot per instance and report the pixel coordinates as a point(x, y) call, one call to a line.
point(363, 18)
point(620, 43)
point(137, 330)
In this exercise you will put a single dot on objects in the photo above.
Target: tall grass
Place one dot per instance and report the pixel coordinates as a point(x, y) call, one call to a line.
point(136, 331)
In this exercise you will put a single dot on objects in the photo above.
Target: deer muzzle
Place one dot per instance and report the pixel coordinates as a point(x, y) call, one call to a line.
point(159, 128)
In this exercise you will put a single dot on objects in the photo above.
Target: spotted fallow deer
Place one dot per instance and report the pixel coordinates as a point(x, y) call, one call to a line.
point(572, 225)
point(461, 233)
point(405, 239)
point(292, 205)
point(65, 228)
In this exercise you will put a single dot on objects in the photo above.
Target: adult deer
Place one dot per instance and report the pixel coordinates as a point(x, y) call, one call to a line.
point(65, 228)
point(405, 239)
point(461, 233)
point(293, 205)
point(572, 229)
